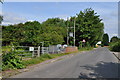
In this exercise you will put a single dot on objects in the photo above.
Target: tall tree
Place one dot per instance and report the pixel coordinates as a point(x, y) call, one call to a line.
point(105, 40)
point(88, 27)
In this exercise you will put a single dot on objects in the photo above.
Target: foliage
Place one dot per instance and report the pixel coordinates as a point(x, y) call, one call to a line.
point(11, 61)
point(88, 26)
point(32, 33)
point(54, 31)
point(105, 40)
point(54, 22)
point(85, 48)
point(114, 39)
point(80, 44)
point(6, 49)
point(1, 19)
point(1, 1)
point(115, 46)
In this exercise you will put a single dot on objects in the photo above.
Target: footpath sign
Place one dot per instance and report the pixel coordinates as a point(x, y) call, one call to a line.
point(31, 48)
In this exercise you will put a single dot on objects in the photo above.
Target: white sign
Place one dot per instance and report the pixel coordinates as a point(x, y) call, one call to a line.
point(31, 48)
point(71, 34)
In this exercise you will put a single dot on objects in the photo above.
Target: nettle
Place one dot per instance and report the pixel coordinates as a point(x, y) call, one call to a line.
point(11, 61)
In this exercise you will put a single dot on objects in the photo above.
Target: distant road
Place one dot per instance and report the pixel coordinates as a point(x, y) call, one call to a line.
point(98, 63)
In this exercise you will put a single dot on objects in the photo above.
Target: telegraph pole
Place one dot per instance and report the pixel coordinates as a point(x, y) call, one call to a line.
point(67, 33)
point(74, 32)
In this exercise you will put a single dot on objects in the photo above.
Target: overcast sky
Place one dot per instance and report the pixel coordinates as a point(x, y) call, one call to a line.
point(16, 12)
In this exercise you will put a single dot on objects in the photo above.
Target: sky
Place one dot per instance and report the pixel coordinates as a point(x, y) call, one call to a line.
point(16, 12)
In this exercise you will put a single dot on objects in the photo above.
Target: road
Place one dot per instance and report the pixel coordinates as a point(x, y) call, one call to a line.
point(98, 63)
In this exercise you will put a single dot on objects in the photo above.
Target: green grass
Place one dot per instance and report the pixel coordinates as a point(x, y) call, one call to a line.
point(6, 49)
point(85, 48)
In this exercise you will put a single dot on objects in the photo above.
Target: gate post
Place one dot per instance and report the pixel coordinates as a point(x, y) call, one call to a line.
point(38, 51)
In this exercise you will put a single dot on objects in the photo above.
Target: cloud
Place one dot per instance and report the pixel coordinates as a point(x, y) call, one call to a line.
point(12, 18)
point(7, 23)
point(114, 14)
point(62, 16)
point(114, 34)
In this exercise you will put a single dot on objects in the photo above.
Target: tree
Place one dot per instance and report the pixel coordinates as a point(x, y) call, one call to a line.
point(88, 27)
point(105, 40)
point(1, 19)
point(54, 22)
point(32, 33)
point(114, 39)
point(1, 1)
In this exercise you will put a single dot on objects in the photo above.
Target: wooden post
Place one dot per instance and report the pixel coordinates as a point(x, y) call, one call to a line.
point(33, 54)
point(47, 49)
point(53, 49)
point(38, 51)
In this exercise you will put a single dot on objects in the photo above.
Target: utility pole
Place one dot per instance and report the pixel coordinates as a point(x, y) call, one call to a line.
point(74, 32)
point(67, 33)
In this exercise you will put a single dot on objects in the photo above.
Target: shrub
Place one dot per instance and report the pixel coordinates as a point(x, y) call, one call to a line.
point(11, 61)
point(46, 56)
point(105, 40)
point(102, 45)
point(115, 46)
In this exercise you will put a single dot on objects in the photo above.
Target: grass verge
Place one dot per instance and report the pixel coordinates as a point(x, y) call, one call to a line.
point(85, 48)
point(43, 57)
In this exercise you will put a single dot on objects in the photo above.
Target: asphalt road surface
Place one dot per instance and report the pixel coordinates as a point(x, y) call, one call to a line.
point(98, 63)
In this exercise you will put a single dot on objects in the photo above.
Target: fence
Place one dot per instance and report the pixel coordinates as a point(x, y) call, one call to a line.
point(27, 51)
point(55, 49)
point(30, 51)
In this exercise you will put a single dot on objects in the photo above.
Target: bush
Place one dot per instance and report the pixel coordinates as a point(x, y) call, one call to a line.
point(102, 45)
point(11, 61)
point(46, 56)
point(105, 40)
point(115, 46)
